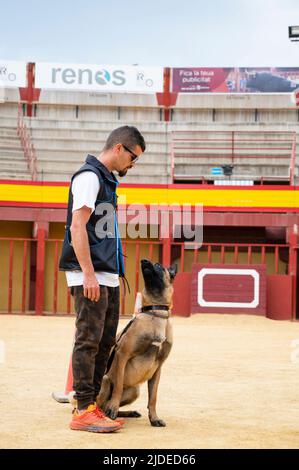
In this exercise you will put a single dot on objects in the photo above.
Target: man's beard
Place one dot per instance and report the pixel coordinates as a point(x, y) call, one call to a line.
point(122, 173)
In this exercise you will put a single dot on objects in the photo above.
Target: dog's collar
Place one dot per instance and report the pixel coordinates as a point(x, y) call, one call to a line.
point(152, 310)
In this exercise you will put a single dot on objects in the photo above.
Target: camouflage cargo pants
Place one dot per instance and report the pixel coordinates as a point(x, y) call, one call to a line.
point(96, 326)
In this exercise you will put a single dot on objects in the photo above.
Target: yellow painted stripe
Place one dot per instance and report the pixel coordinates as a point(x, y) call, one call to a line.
point(210, 197)
point(144, 196)
point(148, 196)
point(242, 198)
point(33, 193)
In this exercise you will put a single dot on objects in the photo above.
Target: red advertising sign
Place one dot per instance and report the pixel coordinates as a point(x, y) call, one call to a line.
point(235, 80)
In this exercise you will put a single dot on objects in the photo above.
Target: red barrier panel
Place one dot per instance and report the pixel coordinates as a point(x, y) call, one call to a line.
point(181, 296)
point(224, 288)
point(279, 297)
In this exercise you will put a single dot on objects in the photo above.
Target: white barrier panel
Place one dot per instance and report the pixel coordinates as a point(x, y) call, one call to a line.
point(106, 78)
point(12, 74)
point(236, 272)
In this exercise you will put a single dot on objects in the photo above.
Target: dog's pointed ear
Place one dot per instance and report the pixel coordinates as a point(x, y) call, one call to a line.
point(173, 269)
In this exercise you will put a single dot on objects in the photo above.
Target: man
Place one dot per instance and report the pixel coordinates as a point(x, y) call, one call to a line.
point(93, 261)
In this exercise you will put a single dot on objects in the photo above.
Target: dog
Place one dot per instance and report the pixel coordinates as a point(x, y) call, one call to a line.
point(141, 348)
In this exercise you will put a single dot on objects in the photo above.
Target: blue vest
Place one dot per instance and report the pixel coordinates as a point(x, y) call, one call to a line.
point(106, 251)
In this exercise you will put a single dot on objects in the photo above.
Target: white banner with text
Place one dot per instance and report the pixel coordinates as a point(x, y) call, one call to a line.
point(101, 78)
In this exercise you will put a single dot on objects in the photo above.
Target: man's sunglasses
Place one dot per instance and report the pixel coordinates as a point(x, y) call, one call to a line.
point(134, 157)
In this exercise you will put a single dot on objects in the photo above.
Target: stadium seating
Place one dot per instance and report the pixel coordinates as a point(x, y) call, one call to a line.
point(62, 146)
point(63, 134)
point(13, 164)
point(254, 154)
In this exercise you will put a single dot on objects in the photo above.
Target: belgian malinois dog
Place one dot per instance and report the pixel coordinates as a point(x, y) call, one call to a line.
point(141, 348)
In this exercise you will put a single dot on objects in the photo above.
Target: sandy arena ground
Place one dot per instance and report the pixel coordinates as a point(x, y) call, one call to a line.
point(230, 382)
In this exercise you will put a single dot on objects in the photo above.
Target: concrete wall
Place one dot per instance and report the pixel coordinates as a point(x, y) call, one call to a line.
point(9, 99)
point(7, 109)
point(97, 113)
point(79, 98)
point(235, 101)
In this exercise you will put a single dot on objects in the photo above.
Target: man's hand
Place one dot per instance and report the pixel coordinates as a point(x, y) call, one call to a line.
point(91, 288)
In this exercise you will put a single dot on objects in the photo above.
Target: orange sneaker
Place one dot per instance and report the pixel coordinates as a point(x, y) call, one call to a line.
point(101, 414)
point(91, 420)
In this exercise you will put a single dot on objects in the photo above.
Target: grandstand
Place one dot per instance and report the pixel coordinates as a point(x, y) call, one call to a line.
point(13, 163)
point(191, 141)
point(61, 150)
point(253, 156)
point(63, 134)
point(268, 155)
point(253, 132)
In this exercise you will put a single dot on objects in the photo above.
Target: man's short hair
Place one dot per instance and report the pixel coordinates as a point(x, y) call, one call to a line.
point(127, 135)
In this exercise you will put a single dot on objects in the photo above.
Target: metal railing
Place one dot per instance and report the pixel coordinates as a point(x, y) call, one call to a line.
point(22, 269)
point(235, 253)
point(232, 148)
point(293, 162)
point(27, 145)
point(15, 283)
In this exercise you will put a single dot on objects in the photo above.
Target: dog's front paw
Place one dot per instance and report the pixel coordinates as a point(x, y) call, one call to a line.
point(111, 410)
point(158, 423)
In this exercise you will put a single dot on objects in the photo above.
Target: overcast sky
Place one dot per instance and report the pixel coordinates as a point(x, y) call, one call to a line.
point(210, 33)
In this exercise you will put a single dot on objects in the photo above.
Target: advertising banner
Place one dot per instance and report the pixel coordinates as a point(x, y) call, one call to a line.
point(12, 74)
point(101, 78)
point(235, 80)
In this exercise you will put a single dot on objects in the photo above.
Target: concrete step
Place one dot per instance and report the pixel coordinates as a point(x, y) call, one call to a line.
point(187, 125)
point(8, 121)
point(54, 176)
point(141, 179)
point(212, 154)
point(85, 133)
point(10, 138)
point(183, 124)
point(105, 125)
point(13, 164)
point(149, 170)
point(240, 163)
point(8, 133)
point(243, 164)
point(8, 174)
point(8, 159)
point(73, 156)
point(17, 157)
point(71, 167)
point(10, 145)
point(66, 137)
point(148, 126)
point(70, 145)
point(11, 153)
point(245, 171)
point(146, 179)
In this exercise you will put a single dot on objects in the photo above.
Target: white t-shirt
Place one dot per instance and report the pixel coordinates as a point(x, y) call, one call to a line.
point(85, 188)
